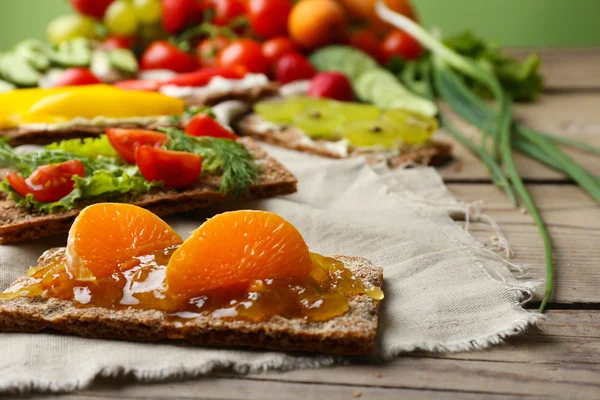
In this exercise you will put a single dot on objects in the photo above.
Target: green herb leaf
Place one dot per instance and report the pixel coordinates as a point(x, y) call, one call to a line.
point(89, 147)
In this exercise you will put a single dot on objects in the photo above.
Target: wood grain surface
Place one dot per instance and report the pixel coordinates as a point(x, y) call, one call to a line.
point(560, 359)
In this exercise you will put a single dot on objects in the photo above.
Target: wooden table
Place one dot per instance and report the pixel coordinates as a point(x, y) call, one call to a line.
point(560, 359)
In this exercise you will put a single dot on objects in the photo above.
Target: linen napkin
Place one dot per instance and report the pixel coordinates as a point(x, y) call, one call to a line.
point(443, 291)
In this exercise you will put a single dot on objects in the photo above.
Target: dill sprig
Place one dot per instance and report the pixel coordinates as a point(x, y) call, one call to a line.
point(227, 157)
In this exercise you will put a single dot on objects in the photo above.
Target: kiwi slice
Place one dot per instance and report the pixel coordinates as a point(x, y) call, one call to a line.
point(377, 133)
point(354, 112)
point(413, 128)
point(319, 122)
point(281, 112)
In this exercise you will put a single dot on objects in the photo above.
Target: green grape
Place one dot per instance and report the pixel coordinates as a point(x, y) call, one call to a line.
point(319, 122)
point(69, 27)
point(148, 11)
point(279, 111)
point(121, 19)
point(413, 128)
point(384, 133)
point(354, 112)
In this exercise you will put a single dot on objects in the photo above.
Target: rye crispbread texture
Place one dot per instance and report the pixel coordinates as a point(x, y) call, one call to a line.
point(19, 224)
point(246, 95)
point(352, 333)
point(433, 152)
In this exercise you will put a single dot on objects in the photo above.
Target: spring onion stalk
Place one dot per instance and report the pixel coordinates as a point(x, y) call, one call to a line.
point(473, 110)
point(513, 173)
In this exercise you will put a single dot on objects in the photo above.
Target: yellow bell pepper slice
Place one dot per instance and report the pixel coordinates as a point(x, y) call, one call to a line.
point(105, 101)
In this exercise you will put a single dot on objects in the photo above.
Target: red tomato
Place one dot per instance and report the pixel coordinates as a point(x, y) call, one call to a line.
point(125, 141)
point(178, 14)
point(273, 49)
point(332, 85)
point(117, 42)
point(139, 84)
point(227, 10)
point(244, 52)
point(368, 42)
point(269, 18)
point(204, 76)
point(208, 49)
point(164, 55)
point(293, 67)
point(77, 77)
point(48, 183)
point(399, 43)
point(91, 8)
point(174, 168)
point(204, 125)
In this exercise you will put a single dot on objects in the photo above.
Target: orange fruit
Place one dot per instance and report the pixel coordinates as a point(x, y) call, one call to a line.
point(315, 23)
point(364, 11)
point(106, 237)
point(235, 248)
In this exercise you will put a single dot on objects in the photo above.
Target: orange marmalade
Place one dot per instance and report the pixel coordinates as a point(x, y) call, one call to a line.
point(321, 295)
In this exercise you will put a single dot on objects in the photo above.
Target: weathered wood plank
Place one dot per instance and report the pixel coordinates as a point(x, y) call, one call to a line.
point(572, 115)
point(574, 223)
point(567, 69)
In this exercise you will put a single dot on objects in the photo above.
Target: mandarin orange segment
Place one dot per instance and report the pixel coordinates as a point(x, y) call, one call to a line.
point(237, 247)
point(106, 237)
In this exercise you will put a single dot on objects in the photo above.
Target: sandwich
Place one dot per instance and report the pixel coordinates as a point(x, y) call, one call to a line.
point(253, 286)
point(166, 171)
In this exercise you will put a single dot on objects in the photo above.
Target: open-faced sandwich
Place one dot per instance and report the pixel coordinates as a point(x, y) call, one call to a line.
point(243, 279)
point(165, 171)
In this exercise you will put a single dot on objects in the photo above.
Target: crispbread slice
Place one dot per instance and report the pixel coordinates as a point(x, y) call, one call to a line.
point(349, 334)
point(18, 224)
point(247, 95)
point(431, 153)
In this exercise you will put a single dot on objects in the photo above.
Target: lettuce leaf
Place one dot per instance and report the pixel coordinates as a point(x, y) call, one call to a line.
point(89, 147)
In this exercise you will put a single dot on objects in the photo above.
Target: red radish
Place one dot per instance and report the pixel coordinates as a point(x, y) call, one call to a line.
point(91, 8)
point(293, 67)
point(332, 85)
point(77, 77)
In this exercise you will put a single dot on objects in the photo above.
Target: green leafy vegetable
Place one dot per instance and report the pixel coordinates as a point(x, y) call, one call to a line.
point(520, 79)
point(345, 59)
point(225, 156)
point(89, 147)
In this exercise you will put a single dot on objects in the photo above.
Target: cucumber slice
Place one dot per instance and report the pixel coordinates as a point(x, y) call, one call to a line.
point(16, 70)
point(381, 88)
point(123, 60)
point(35, 53)
point(347, 60)
point(6, 86)
point(73, 53)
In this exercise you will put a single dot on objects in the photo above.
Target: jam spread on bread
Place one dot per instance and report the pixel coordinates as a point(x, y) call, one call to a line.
point(249, 265)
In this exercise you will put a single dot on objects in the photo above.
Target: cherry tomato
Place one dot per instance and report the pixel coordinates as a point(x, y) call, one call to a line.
point(208, 49)
point(91, 8)
point(48, 183)
point(273, 49)
point(204, 76)
point(178, 14)
point(125, 141)
point(77, 77)
point(143, 85)
point(244, 52)
point(368, 42)
point(117, 42)
point(174, 168)
point(204, 125)
point(269, 18)
point(399, 43)
point(293, 67)
point(227, 10)
point(164, 55)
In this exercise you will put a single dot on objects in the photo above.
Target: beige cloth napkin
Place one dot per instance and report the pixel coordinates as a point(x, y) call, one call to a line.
point(444, 292)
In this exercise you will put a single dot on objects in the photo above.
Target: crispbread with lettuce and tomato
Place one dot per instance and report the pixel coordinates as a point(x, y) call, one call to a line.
point(166, 172)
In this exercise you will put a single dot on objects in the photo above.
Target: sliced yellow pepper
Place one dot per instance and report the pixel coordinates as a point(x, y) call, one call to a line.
point(63, 104)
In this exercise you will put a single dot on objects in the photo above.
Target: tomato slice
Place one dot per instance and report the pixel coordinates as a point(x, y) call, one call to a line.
point(124, 141)
point(204, 76)
point(144, 85)
point(204, 125)
point(48, 183)
point(174, 168)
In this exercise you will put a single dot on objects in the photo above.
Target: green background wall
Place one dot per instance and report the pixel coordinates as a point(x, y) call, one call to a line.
point(547, 23)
